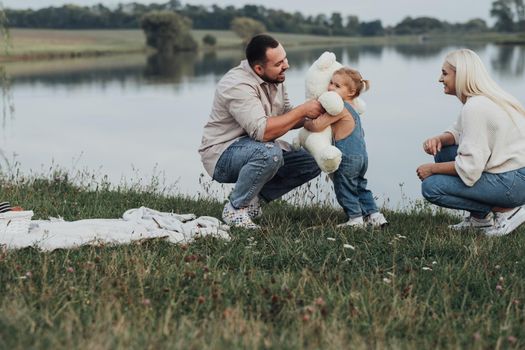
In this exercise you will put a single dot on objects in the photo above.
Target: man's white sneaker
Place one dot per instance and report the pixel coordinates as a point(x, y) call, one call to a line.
point(238, 217)
point(254, 208)
point(505, 223)
point(355, 222)
point(376, 220)
point(470, 222)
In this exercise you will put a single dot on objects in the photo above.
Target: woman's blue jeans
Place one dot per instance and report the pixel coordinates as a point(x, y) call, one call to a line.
point(264, 169)
point(506, 190)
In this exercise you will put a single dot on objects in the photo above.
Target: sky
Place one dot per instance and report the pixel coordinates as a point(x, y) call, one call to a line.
point(390, 12)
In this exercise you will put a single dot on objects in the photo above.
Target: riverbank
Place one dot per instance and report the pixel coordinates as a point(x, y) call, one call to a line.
point(34, 44)
point(298, 283)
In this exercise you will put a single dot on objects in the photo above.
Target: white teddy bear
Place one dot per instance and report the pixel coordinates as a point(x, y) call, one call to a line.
point(319, 144)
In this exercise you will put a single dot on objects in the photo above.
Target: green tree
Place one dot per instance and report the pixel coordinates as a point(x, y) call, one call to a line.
point(246, 28)
point(8, 106)
point(372, 28)
point(502, 11)
point(352, 25)
point(167, 32)
point(419, 25)
point(476, 25)
point(336, 22)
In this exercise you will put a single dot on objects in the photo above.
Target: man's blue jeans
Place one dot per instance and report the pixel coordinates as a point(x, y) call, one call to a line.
point(264, 169)
point(506, 190)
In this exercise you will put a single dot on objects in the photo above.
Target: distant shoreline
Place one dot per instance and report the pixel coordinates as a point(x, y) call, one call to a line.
point(42, 44)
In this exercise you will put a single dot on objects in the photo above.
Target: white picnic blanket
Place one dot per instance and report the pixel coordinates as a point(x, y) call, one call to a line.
point(136, 224)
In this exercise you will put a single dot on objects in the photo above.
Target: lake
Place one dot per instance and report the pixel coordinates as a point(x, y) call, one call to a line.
point(133, 118)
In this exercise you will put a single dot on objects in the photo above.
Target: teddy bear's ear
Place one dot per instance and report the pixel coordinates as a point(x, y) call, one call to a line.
point(326, 60)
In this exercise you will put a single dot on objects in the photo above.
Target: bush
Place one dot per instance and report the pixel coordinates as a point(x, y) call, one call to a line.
point(167, 32)
point(209, 40)
point(246, 27)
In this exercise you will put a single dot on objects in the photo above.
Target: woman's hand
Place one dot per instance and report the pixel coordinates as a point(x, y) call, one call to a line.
point(425, 171)
point(432, 145)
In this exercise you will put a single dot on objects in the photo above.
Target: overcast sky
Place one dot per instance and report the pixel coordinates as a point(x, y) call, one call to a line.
point(388, 11)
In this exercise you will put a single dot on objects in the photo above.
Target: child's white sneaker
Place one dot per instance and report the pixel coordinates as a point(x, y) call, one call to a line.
point(505, 223)
point(354, 222)
point(376, 220)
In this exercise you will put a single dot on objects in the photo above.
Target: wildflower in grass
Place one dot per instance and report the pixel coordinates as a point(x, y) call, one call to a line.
point(29, 274)
point(319, 302)
point(387, 280)
point(499, 287)
point(426, 268)
point(349, 246)
point(201, 299)
point(512, 339)
point(306, 318)
point(330, 238)
point(70, 269)
point(146, 302)
point(476, 336)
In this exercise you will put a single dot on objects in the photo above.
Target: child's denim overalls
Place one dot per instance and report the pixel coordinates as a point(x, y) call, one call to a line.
point(349, 180)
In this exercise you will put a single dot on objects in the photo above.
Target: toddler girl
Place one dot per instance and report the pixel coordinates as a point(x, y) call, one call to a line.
point(349, 181)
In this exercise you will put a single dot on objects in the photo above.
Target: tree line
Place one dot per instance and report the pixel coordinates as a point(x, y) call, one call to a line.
point(509, 15)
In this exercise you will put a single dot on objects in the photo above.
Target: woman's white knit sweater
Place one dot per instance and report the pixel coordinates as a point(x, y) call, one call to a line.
point(488, 139)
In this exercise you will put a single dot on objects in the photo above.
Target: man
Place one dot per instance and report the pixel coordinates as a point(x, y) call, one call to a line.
point(250, 111)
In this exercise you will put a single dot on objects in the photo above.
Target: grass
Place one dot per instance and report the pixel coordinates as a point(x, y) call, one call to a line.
point(30, 44)
point(295, 284)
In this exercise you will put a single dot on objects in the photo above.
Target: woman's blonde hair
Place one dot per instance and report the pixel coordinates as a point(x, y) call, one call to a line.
point(472, 79)
point(354, 80)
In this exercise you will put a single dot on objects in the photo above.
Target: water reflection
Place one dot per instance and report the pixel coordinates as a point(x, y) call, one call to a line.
point(114, 112)
point(509, 60)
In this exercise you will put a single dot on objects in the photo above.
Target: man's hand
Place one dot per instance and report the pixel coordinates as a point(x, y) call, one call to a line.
point(312, 109)
point(432, 145)
point(425, 171)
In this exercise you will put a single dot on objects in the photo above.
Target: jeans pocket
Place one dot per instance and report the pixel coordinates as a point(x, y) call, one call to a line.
point(520, 174)
point(351, 165)
point(508, 180)
point(221, 173)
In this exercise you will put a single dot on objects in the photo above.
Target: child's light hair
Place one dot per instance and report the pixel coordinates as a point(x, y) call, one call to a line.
point(353, 80)
point(472, 79)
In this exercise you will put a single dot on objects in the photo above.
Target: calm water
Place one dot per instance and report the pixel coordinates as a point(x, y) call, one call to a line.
point(135, 117)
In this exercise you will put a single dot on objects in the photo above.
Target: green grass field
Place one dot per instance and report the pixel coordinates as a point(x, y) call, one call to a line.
point(26, 44)
point(298, 283)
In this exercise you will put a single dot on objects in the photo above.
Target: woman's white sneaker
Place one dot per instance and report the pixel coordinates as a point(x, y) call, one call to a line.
point(505, 223)
point(470, 222)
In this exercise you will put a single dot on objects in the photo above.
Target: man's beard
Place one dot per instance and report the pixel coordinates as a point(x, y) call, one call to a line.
point(271, 80)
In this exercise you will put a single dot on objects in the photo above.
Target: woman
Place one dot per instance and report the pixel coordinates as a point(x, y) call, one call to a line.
point(479, 162)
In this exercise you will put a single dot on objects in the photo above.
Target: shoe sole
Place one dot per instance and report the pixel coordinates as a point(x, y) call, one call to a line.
point(520, 213)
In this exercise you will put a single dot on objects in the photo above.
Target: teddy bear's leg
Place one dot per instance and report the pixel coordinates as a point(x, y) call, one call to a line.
point(319, 145)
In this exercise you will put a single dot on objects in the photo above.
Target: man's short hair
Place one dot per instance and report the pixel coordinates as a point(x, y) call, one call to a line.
point(256, 48)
